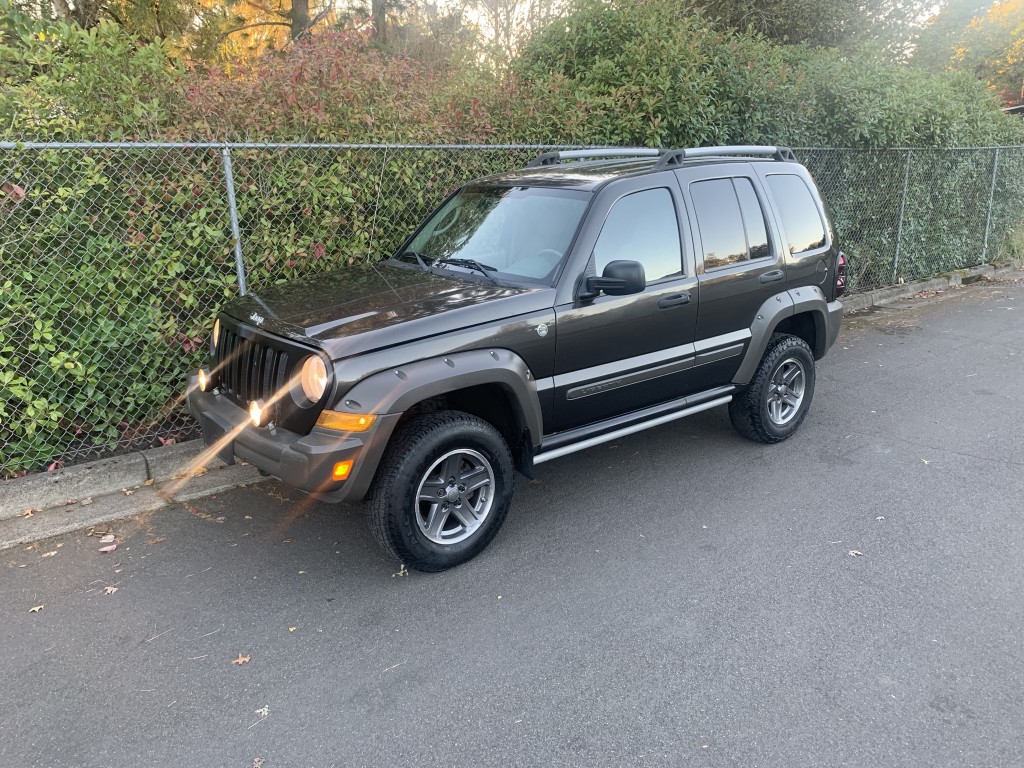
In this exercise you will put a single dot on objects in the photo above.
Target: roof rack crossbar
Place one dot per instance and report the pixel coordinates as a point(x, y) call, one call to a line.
point(553, 158)
point(674, 157)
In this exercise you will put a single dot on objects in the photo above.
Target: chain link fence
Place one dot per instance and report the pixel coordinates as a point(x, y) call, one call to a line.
point(115, 257)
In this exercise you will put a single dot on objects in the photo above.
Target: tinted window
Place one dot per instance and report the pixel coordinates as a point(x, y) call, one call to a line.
point(753, 219)
point(800, 215)
point(642, 227)
point(720, 222)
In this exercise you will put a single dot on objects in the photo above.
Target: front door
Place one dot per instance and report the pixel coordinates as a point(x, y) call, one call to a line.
point(616, 354)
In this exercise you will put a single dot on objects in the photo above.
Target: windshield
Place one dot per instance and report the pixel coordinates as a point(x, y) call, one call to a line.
point(519, 232)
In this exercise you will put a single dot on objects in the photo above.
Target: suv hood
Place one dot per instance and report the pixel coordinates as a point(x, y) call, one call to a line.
point(359, 309)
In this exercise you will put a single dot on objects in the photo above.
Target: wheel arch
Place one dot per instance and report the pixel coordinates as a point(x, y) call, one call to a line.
point(495, 385)
point(800, 312)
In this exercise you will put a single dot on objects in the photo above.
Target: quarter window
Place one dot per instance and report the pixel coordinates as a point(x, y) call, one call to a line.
point(800, 216)
point(731, 222)
point(642, 227)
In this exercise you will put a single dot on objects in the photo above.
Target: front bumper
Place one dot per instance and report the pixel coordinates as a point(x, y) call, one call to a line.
point(305, 462)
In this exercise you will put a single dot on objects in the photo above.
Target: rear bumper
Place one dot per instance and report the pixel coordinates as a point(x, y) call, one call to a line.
point(305, 462)
point(833, 321)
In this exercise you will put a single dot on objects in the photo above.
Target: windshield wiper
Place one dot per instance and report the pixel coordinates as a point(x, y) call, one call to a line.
point(419, 259)
point(483, 269)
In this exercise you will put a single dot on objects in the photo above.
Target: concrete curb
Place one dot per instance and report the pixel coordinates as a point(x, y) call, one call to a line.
point(882, 296)
point(98, 478)
point(77, 516)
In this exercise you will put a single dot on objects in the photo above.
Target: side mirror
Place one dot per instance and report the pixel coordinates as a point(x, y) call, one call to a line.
point(620, 278)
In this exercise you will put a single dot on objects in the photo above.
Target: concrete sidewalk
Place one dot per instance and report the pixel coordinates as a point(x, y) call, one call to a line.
point(66, 499)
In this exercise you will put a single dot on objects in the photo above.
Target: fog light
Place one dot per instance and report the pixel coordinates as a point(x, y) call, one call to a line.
point(341, 470)
point(206, 382)
point(257, 412)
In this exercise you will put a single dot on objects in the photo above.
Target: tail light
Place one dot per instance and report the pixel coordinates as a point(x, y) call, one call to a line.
point(840, 274)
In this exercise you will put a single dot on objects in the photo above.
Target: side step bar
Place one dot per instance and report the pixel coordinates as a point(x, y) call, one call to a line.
point(565, 450)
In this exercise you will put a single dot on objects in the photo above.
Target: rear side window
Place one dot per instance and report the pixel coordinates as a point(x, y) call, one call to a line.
point(642, 227)
point(731, 222)
point(801, 219)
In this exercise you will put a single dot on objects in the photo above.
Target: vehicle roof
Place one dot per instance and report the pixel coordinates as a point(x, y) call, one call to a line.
point(591, 174)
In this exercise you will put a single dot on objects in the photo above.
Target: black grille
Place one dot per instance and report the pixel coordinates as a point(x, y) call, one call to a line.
point(250, 369)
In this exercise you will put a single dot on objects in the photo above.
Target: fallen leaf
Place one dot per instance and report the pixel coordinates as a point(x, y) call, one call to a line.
point(108, 548)
point(148, 482)
point(60, 545)
point(292, 629)
point(28, 513)
point(157, 540)
point(127, 491)
point(199, 471)
point(301, 572)
point(288, 540)
point(241, 660)
point(880, 517)
point(86, 502)
point(401, 572)
point(110, 590)
point(257, 762)
point(49, 554)
point(118, 570)
point(855, 553)
point(107, 538)
point(37, 609)
point(925, 461)
point(248, 517)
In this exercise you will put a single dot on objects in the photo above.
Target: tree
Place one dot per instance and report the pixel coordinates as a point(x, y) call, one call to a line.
point(982, 38)
point(507, 25)
point(889, 24)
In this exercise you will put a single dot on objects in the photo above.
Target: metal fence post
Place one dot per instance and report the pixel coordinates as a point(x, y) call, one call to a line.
point(236, 235)
point(903, 207)
point(991, 199)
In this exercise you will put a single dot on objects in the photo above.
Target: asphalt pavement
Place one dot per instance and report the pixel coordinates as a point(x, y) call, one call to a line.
point(682, 597)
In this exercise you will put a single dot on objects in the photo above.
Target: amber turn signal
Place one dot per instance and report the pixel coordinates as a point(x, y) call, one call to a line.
point(345, 422)
point(341, 470)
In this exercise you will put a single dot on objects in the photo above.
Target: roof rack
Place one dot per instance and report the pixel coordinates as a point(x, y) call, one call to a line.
point(674, 157)
point(553, 158)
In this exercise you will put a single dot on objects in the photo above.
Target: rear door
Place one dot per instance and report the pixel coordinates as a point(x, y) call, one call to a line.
point(739, 265)
point(616, 354)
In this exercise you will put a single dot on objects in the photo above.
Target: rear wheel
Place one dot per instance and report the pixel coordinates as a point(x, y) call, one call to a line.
point(442, 491)
point(776, 402)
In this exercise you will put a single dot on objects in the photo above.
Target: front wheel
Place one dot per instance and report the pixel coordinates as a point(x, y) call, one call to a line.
point(442, 492)
point(775, 403)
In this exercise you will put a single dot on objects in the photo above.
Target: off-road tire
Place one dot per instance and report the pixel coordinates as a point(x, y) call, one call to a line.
point(394, 497)
point(749, 409)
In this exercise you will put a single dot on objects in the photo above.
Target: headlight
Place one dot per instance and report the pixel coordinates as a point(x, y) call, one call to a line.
point(313, 378)
point(216, 332)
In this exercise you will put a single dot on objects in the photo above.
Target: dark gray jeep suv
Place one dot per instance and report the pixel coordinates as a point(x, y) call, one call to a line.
point(592, 294)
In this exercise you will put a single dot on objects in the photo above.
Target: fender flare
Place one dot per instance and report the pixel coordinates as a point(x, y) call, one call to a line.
point(396, 390)
point(772, 312)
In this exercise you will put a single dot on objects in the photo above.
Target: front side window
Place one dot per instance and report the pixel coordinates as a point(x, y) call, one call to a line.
point(800, 216)
point(642, 227)
point(517, 232)
point(731, 222)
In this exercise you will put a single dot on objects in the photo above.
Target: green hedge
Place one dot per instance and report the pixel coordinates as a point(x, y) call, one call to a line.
point(112, 263)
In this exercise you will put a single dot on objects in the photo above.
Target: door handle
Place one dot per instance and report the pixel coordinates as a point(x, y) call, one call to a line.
point(771, 277)
point(675, 300)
